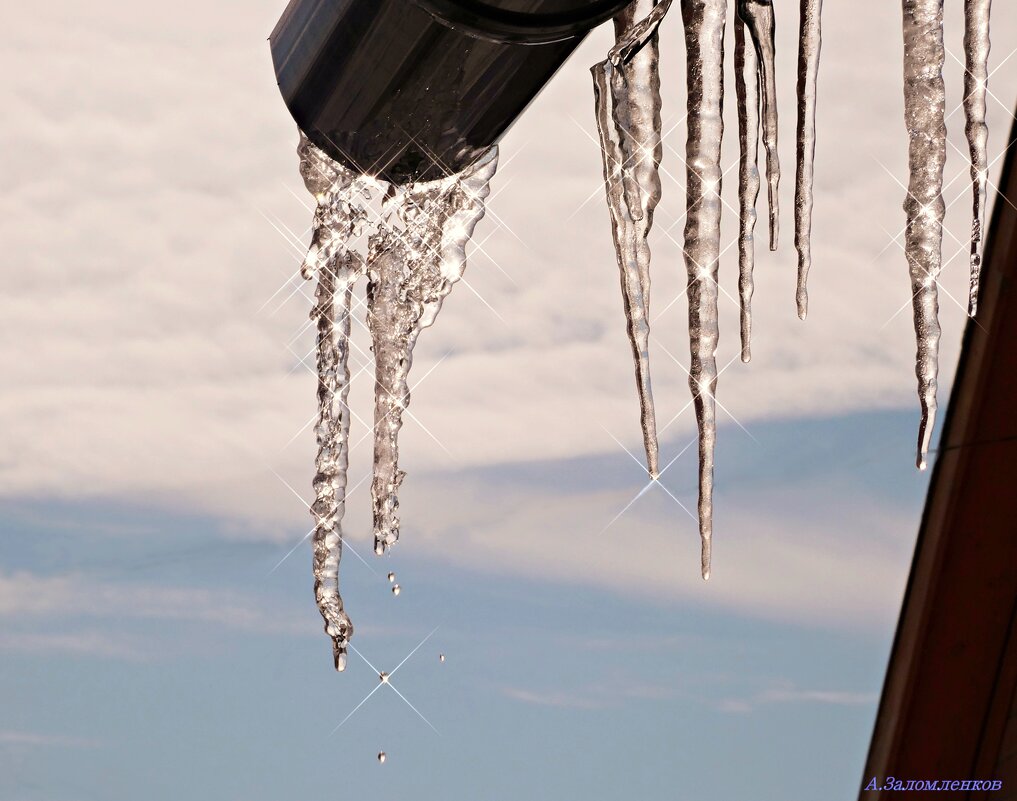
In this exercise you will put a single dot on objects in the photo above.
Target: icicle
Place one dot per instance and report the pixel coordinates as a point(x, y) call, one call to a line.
point(747, 91)
point(758, 18)
point(809, 42)
point(631, 36)
point(337, 217)
point(417, 254)
point(924, 104)
point(704, 41)
point(976, 78)
point(627, 92)
point(333, 458)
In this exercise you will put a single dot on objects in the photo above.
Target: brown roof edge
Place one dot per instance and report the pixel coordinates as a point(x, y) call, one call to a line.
point(950, 681)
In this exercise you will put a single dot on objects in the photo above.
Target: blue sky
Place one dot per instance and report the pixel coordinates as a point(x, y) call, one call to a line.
point(156, 457)
point(176, 662)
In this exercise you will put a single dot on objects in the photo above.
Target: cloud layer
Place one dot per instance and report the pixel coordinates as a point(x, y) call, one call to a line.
point(156, 346)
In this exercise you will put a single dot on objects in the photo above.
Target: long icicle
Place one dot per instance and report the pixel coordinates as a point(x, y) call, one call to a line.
point(333, 433)
point(809, 44)
point(758, 17)
point(976, 78)
point(416, 256)
point(747, 91)
point(924, 106)
point(628, 104)
point(337, 216)
point(704, 43)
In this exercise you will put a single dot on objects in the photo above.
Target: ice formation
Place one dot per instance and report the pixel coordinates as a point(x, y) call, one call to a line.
point(924, 107)
point(809, 42)
point(747, 93)
point(757, 15)
point(415, 256)
point(628, 100)
point(337, 218)
point(704, 42)
point(417, 249)
point(416, 252)
point(627, 92)
point(976, 78)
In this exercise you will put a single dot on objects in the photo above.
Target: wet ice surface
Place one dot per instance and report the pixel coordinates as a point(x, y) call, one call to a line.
point(627, 93)
point(747, 93)
point(704, 42)
point(924, 107)
point(976, 78)
point(415, 256)
point(416, 252)
point(338, 216)
point(757, 15)
point(809, 43)
point(624, 106)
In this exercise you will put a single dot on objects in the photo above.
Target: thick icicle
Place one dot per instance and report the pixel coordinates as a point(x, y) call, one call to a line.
point(337, 217)
point(704, 42)
point(414, 258)
point(809, 42)
point(333, 432)
point(924, 104)
point(630, 36)
point(976, 78)
point(747, 91)
point(758, 18)
point(628, 106)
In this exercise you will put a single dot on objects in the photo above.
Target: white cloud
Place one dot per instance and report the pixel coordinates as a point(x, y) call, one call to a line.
point(789, 694)
point(591, 696)
point(141, 362)
point(11, 737)
point(24, 595)
point(806, 555)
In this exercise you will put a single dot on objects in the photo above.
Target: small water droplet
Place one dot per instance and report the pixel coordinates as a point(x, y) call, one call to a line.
point(382, 756)
point(391, 578)
point(383, 677)
point(395, 589)
point(441, 657)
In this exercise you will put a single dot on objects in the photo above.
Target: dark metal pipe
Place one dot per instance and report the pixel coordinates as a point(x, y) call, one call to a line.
point(412, 90)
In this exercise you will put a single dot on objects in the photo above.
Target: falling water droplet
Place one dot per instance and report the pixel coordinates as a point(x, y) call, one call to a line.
point(391, 578)
point(382, 756)
point(441, 657)
point(396, 589)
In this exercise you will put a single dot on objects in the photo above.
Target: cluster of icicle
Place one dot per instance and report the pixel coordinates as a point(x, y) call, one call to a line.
point(628, 109)
point(415, 253)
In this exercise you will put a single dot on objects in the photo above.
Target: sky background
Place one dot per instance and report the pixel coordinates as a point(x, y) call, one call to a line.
point(156, 448)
